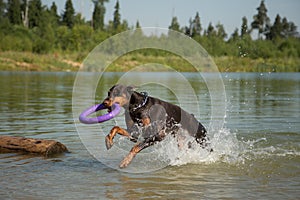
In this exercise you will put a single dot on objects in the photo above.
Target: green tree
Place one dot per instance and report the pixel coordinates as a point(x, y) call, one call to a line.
point(45, 40)
point(261, 21)
point(98, 14)
point(14, 11)
point(292, 30)
point(221, 33)
point(96, 23)
point(289, 29)
point(138, 31)
point(244, 27)
point(124, 26)
point(195, 26)
point(69, 14)
point(276, 30)
point(285, 26)
point(137, 25)
point(79, 38)
point(62, 34)
point(175, 24)
point(234, 35)
point(53, 13)
point(35, 10)
point(2, 9)
point(78, 19)
point(117, 16)
point(210, 32)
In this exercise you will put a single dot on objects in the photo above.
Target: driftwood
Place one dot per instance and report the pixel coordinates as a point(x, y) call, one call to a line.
point(31, 145)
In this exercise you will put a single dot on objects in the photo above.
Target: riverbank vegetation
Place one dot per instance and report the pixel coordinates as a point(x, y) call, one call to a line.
point(34, 37)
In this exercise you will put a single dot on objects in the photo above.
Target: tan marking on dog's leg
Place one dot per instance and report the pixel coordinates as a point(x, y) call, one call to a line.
point(109, 138)
point(146, 121)
point(127, 160)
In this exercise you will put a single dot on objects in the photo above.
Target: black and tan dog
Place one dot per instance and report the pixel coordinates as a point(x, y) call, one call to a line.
point(155, 117)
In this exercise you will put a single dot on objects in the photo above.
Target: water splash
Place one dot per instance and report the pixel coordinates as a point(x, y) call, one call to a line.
point(227, 148)
point(183, 149)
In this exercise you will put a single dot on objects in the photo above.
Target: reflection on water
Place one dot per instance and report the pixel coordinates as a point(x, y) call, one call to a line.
point(256, 154)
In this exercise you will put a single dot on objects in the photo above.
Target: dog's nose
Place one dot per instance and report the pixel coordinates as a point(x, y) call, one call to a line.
point(106, 102)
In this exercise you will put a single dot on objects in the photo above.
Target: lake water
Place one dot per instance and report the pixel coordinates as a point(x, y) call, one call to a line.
point(256, 152)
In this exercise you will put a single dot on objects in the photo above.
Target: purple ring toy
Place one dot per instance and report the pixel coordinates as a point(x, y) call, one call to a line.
point(116, 108)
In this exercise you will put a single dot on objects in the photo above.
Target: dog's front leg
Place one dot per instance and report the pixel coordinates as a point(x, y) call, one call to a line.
point(116, 129)
point(136, 149)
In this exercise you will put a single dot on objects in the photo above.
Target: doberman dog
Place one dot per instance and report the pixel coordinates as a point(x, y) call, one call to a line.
point(155, 117)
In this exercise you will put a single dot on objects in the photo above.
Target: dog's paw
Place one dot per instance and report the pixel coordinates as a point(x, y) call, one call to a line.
point(126, 161)
point(108, 142)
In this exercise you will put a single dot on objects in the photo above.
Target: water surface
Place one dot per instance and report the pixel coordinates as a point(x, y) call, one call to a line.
point(256, 154)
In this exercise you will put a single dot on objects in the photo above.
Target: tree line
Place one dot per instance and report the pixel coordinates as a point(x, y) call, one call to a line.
point(27, 25)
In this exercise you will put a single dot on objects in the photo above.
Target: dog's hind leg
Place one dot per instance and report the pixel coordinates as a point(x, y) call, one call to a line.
point(116, 130)
point(136, 149)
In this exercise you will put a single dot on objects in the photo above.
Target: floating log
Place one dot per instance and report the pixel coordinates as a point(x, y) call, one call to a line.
point(31, 145)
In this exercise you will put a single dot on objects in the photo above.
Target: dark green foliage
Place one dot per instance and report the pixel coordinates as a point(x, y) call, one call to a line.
point(210, 32)
point(261, 21)
point(244, 27)
point(97, 20)
point(281, 29)
point(117, 17)
point(2, 9)
point(68, 17)
point(137, 25)
point(194, 28)
point(35, 11)
point(98, 14)
point(174, 24)
point(53, 14)
point(221, 31)
point(71, 33)
point(235, 35)
point(14, 11)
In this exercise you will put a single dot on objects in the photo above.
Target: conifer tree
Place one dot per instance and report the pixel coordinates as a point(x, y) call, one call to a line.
point(174, 24)
point(195, 26)
point(276, 30)
point(14, 11)
point(34, 13)
point(137, 25)
point(221, 31)
point(292, 30)
point(98, 14)
point(235, 35)
point(53, 12)
point(210, 30)
point(244, 27)
point(289, 29)
point(2, 9)
point(69, 14)
point(117, 16)
point(261, 21)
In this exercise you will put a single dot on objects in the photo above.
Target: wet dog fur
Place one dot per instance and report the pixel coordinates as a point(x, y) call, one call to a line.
point(157, 119)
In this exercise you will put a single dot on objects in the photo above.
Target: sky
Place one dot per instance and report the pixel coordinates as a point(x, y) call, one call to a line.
point(159, 13)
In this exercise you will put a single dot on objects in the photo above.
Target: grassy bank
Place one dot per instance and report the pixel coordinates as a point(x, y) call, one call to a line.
point(24, 61)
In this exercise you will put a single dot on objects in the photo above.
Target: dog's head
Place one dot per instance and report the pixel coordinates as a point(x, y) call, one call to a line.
point(118, 94)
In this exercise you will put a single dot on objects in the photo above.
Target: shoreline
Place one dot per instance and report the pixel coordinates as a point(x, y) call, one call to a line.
point(72, 62)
